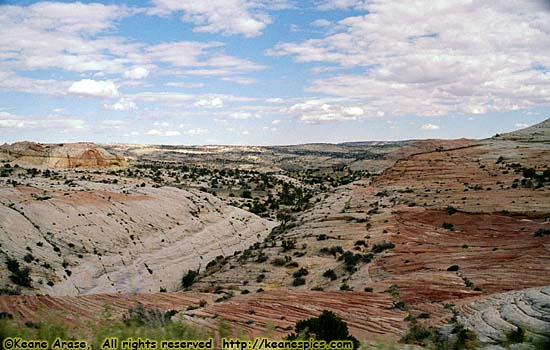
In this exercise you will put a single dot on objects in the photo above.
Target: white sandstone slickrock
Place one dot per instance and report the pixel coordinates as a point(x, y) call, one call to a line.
point(111, 238)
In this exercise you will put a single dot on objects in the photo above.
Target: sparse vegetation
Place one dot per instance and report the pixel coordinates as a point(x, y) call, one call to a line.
point(541, 232)
point(327, 327)
point(188, 279)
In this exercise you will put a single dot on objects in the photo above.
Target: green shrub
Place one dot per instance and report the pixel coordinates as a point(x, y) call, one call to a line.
point(300, 273)
point(516, 335)
point(327, 327)
point(541, 232)
point(279, 261)
point(453, 268)
point(417, 334)
point(380, 247)
point(330, 274)
point(451, 210)
point(298, 281)
point(188, 279)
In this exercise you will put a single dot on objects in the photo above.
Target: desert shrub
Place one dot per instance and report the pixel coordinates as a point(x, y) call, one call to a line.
point(327, 327)
point(188, 279)
point(260, 278)
point(380, 247)
point(541, 232)
point(9, 291)
point(447, 226)
point(332, 250)
point(298, 281)
point(19, 276)
point(345, 287)
point(279, 261)
point(451, 210)
point(322, 237)
point(453, 268)
point(139, 315)
point(288, 244)
point(330, 274)
point(292, 264)
point(262, 258)
point(300, 273)
point(516, 335)
point(417, 334)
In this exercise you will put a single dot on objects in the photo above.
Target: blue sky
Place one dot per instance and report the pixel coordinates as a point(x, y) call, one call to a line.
point(261, 72)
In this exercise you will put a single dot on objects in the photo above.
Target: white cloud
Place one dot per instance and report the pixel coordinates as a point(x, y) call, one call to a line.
point(339, 4)
point(41, 123)
point(210, 102)
point(321, 23)
point(122, 105)
point(314, 111)
point(439, 57)
point(521, 125)
point(229, 17)
point(244, 115)
point(154, 132)
point(94, 88)
point(240, 80)
point(78, 37)
point(137, 73)
point(62, 35)
point(430, 127)
point(196, 132)
point(185, 85)
point(166, 133)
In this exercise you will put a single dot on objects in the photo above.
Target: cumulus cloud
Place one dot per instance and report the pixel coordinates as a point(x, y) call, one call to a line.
point(78, 37)
point(41, 123)
point(196, 131)
point(137, 73)
point(229, 17)
point(61, 35)
point(240, 80)
point(430, 127)
point(185, 85)
point(430, 62)
point(339, 4)
point(321, 23)
point(122, 105)
point(94, 88)
point(210, 102)
point(167, 133)
point(314, 111)
point(244, 115)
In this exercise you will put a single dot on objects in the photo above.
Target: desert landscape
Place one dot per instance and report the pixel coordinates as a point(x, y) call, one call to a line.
point(403, 240)
point(274, 174)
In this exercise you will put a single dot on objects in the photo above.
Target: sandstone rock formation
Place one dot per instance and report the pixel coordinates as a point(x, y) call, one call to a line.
point(95, 238)
point(502, 313)
point(71, 155)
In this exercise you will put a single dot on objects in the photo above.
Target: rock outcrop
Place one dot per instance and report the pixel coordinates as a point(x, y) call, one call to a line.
point(95, 238)
point(71, 155)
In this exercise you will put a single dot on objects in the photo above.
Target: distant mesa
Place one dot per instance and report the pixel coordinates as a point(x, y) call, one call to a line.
point(68, 155)
point(535, 133)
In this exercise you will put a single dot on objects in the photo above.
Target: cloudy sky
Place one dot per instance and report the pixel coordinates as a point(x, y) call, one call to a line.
point(271, 71)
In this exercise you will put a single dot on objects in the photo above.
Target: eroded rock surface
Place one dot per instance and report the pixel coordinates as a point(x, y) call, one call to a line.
point(95, 238)
point(70, 155)
point(502, 313)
